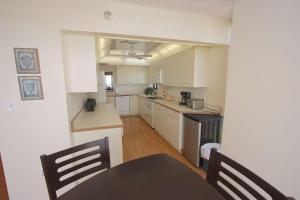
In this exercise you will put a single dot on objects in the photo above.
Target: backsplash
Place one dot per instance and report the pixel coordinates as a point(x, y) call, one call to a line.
point(75, 102)
point(175, 91)
point(131, 88)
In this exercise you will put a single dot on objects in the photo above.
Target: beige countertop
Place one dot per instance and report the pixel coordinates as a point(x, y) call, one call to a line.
point(125, 94)
point(105, 116)
point(173, 105)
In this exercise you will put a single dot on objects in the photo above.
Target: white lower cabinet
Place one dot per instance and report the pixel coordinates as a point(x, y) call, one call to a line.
point(110, 100)
point(168, 124)
point(141, 107)
point(115, 141)
point(122, 105)
point(133, 105)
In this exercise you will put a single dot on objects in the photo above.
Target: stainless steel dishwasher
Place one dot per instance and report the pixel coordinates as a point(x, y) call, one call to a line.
point(191, 139)
point(199, 129)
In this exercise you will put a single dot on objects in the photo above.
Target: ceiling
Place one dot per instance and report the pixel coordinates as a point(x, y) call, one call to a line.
point(115, 51)
point(215, 8)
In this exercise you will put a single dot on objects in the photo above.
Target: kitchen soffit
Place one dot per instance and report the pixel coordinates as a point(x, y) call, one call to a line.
point(215, 8)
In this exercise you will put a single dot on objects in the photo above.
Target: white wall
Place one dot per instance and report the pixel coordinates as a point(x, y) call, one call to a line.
point(261, 128)
point(42, 126)
point(217, 73)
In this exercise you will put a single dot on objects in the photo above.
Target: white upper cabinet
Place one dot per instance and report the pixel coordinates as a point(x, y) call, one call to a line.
point(122, 75)
point(155, 75)
point(79, 62)
point(188, 68)
point(132, 74)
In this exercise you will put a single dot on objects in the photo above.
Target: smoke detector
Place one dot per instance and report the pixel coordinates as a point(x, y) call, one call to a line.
point(107, 15)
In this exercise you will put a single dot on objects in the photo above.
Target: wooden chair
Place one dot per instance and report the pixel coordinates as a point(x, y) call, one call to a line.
point(234, 180)
point(55, 169)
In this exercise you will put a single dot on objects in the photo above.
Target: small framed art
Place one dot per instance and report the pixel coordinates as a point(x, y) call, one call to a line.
point(30, 87)
point(27, 61)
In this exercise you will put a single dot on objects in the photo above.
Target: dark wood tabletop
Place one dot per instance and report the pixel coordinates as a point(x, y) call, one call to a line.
point(157, 177)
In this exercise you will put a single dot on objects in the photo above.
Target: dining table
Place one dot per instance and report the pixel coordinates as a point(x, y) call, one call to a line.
point(155, 177)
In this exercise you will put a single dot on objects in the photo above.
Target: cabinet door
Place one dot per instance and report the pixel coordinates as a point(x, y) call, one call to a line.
point(132, 75)
point(188, 68)
point(164, 127)
point(141, 75)
point(158, 76)
point(141, 106)
point(122, 105)
point(79, 62)
point(122, 75)
point(172, 121)
point(133, 105)
point(158, 120)
point(167, 124)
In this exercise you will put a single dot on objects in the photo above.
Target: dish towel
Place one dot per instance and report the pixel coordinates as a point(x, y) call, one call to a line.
point(206, 148)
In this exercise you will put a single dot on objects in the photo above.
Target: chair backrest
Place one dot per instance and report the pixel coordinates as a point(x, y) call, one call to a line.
point(228, 177)
point(62, 168)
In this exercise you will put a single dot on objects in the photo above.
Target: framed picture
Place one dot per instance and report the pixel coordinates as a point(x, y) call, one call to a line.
point(27, 61)
point(30, 87)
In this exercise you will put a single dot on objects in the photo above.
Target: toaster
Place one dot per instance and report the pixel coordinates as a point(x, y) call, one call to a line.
point(195, 104)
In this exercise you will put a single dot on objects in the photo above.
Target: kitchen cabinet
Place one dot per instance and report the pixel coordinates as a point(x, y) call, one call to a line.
point(155, 75)
point(79, 62)
point(122, 75)
point(145, 110)
point(141, 106)
point(110, 100)
point(168, 124)
point(141, 74)
point(158, 124)
point(131, 74)
point(122, 105)
point(133, 105)
point(188, 68)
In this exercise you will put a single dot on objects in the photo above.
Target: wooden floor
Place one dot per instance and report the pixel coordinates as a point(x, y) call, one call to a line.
point(3, 189)
point(141, 140)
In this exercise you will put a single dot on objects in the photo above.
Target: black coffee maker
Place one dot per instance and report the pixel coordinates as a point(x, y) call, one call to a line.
point(185, 96)
point(90, 105)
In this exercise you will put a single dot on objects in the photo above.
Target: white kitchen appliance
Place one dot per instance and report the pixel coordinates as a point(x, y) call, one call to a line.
point(122, 105)
point(149, 113)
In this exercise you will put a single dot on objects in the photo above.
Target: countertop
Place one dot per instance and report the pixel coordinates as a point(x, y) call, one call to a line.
point(125, 94)
point(173, 105)
point(105, 116)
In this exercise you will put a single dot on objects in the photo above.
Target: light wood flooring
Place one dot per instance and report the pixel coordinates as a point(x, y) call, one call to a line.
point(141, 140)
